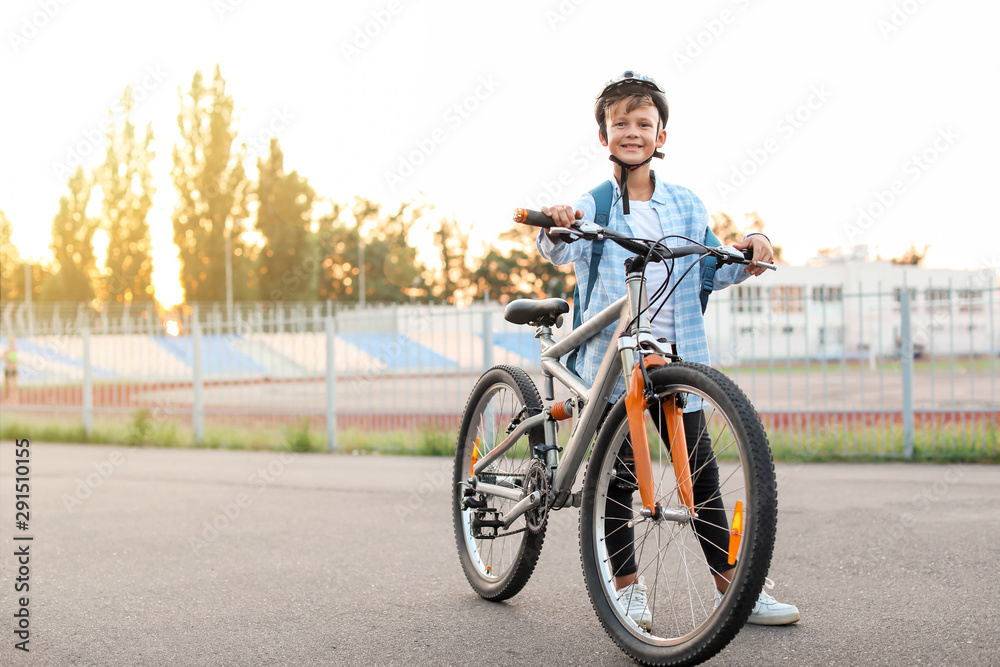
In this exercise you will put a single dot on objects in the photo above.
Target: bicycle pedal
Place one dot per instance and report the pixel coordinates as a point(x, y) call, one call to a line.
point(473, 503)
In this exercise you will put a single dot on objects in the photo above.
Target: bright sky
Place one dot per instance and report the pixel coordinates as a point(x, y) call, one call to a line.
point(813, 114)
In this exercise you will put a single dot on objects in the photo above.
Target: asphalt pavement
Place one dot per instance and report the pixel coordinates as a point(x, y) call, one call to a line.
point(207, 557)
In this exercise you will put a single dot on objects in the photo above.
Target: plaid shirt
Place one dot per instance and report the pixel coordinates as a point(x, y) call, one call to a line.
point(681, 212)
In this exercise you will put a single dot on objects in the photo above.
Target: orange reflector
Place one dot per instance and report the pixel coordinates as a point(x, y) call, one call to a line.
point(520, 215)
point(561, 411)
point(736, 533)
point(475, 457)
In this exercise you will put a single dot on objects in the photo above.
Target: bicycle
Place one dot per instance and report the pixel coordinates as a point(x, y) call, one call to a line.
point(510, 472)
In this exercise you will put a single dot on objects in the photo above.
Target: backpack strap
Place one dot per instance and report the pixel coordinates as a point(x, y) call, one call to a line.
point(602, 205)
point(602, 195)
point(708, 268)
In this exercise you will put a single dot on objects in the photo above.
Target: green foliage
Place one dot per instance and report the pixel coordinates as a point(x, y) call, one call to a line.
point(392, 274)
point(726, 230)
point(912, 257)
point(139, 429)
point(127, 182)
point(301, 439)
point(211, 184)
point(454, 276)
point(289, 266)
point(514, 269)
point(74, 265)
point(434, 442)
point(11, 266)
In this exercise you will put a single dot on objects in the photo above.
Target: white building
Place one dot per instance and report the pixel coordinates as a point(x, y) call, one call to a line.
point(847, 305)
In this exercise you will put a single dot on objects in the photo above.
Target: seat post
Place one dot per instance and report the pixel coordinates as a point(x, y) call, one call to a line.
point(543, 332)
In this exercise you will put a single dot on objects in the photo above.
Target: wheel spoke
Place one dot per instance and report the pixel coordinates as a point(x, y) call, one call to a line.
point(497, 567)
point(677, 559)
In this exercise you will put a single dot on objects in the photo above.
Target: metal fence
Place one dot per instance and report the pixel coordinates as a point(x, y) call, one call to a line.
point(832, 374)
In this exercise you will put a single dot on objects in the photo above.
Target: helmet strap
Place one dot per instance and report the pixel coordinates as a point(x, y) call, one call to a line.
point(626, 169)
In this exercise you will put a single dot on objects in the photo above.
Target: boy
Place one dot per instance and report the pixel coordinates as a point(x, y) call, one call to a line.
point(631, 115)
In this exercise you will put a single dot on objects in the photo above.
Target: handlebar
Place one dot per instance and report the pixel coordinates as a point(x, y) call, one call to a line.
point(656, 251)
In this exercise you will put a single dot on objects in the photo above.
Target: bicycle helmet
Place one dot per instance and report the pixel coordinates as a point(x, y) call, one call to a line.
point(628, 84)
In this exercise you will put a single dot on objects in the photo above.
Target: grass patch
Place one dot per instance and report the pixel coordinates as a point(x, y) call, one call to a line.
point(815, 444)
point(302, 439)
point(888, 364)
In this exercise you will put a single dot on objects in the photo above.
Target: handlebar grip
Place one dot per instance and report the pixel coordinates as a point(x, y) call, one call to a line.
point(533, 218)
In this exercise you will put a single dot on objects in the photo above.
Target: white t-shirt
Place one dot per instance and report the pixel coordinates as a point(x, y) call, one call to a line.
point(645, 223)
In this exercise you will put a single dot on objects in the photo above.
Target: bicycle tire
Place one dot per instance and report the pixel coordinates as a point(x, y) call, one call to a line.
point(498, 568)
point(664, 548)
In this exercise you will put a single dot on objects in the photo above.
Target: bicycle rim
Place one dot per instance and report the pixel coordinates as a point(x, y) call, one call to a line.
point(496, 567)
point(673, 556)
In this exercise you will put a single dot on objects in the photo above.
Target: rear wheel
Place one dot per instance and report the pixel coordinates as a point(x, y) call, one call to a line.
point(498, 561)
point(676, 556)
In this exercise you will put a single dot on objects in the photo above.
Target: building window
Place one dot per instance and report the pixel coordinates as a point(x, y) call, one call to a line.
point(938, 294)
point(747, 299)
point(970, 300)
point(828, 294)
point(831, 336)
point(787, 299)
point(897, 294)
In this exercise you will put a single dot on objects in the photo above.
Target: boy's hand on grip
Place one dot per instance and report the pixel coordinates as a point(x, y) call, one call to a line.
point(562, 216)
point(762, 252)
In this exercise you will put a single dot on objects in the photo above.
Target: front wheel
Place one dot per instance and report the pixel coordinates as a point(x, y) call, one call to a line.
point(497, 561)
point(680, 559)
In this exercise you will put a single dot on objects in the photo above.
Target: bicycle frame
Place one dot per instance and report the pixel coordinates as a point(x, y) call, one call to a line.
point(593, 398)
point(635, 351)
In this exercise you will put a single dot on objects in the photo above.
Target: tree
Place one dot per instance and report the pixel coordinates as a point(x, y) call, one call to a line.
point(211, 185)
point(912, 257)
point(127, 183)
point(11, 266)
point(514, 269)
point(289, 265)
point(728, 233)
point(74, 264)
point(392, 273)
point(454, 277)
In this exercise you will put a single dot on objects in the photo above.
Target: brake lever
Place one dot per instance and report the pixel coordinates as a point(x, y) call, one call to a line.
point(584, 229)
point(566, 234)
point(730, 255)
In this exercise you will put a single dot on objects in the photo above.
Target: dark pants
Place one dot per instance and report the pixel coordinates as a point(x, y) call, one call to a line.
point(711, 526)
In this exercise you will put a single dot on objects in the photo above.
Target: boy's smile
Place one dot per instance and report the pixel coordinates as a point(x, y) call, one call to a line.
point(632, 137)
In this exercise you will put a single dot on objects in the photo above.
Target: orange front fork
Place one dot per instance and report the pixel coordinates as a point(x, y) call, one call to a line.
point(635, 406)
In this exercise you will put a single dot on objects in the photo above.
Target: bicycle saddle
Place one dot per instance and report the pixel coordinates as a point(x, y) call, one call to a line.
point(536, 312)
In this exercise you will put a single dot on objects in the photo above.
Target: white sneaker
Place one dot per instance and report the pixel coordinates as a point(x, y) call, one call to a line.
point(632, 598)
point(767, 610)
